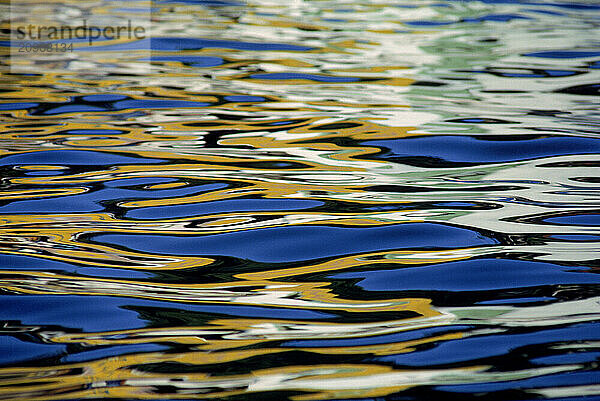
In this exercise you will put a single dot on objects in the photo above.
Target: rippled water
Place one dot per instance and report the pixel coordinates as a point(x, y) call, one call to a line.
point(306, 200)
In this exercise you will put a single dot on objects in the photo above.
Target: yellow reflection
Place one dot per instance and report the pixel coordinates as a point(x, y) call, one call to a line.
point(313, 295)
point(132, 376)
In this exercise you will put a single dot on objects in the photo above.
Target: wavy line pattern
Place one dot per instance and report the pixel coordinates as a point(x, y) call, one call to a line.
point(307, 200)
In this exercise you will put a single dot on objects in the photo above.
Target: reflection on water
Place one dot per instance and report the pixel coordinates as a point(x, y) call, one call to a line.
point(308, 200)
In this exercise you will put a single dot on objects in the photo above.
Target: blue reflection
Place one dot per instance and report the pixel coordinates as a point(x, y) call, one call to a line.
point(178, 44)
point(94, 201)
point(113, 352)
point(17, 106)
point(244, 98)
point(310, 77)
point(470, 275)
point(567, 359)
point(31, 263)
point(580, 219)
point(224, 206)
point(286, 244)
point(105, 313)
point(458, 148)
point(194, 61)
point(72, 157)
point(486, 346)
point(563, 54)
point(13, 350)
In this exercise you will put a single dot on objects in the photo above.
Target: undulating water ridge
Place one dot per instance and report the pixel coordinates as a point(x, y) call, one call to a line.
point(305, 200)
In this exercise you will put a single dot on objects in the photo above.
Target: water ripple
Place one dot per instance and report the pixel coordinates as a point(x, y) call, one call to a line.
point(303, 200)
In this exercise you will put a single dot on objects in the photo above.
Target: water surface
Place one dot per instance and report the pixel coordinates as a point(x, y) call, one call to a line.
point(306, 200)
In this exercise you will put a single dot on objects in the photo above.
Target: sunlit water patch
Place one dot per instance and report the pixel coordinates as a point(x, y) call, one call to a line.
point(308, 200)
